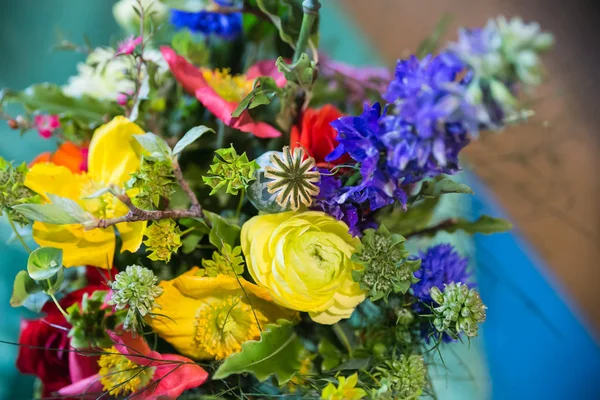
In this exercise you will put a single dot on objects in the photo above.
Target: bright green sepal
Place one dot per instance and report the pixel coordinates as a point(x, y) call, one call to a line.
point(154, 181)
point(386, 267)
point(230, 171)
point(276, 353)
point(90, 322)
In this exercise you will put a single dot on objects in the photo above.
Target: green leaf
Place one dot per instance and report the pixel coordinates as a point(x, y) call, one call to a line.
point(23, 287)
point(222, 231)
point(49, 98)
point(189, 137)
point(154, 145)
point(352, 364)
point(485, 225)
point(264, 91)
point(44, 263)
point(287, 15)
point(416, 218)
point(432, 42)
point(36, 302)
point(332, 356)
point(61, 211)
point(434, 188)
point(276, 353)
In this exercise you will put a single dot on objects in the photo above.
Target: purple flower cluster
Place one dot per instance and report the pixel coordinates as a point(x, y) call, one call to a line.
point(440, 264)
point(225, 25)
point(433, 118)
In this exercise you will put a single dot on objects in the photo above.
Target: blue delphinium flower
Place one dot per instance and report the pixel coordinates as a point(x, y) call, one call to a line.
point(432, 117)
point(440, 265)
point(361, 138)
point(226, 25)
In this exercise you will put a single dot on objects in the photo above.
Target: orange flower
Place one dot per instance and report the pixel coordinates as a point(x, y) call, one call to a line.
point(68, 155)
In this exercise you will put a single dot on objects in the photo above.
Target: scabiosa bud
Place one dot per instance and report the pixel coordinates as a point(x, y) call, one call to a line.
point(387, 268)
point(163, 239)
point(136, 290)
point(402, 379)
point(459, 310)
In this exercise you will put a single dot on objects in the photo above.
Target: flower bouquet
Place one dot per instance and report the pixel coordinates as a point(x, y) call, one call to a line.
point(229, 211)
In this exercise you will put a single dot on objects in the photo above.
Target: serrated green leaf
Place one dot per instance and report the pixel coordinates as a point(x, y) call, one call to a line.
point(49, 98)
point(434, 188)
point(61, 211)
point(222, 231)
point(23, 287)
point(276, 353)
point(44, 263)
point(191, 136)
point(154, 145)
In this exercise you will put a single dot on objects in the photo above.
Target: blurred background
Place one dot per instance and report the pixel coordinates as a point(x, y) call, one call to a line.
point(540, 281)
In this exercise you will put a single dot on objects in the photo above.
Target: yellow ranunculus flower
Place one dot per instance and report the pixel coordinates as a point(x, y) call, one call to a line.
point(303, 258)
point(113, 155)
point(210, 318)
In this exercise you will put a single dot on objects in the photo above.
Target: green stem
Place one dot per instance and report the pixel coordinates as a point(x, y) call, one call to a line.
point(187, 231)
point(238, 210)
point(63, 312)
point(311, 11)
point(14, 228)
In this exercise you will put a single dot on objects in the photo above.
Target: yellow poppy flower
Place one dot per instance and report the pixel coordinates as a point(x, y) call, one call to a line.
point(114, 154)
point(303, 258)
point(210, 318)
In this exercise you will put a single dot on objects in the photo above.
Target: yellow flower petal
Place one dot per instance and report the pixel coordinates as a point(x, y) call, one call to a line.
point(94, 247)
point(54, 179)
point(114, 153)
point(132, 234)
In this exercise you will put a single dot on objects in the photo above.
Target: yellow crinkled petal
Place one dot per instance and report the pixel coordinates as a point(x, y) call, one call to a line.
point(114, 153)
point(54, 179)
point(132, 234)
point(80, 247)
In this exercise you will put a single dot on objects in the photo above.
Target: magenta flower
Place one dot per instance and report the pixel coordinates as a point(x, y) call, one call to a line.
point(128, 45)
point(131, 368)
point(221, 92)
point(46, 124)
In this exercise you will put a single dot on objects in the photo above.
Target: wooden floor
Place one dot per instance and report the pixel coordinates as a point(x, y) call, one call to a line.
point(546, 174)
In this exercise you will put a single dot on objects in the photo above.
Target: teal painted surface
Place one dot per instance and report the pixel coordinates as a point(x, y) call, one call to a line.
point(28, 29)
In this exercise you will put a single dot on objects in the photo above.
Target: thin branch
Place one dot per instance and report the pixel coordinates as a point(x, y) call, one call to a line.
point(186, 187)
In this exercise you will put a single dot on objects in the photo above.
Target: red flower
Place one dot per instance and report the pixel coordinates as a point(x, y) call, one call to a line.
point(68, 154)
point(45, 349)
point(316, 134)
point(221, 93)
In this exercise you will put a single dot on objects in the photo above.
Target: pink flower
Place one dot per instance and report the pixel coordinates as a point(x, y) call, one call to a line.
point(221, 93)
point(128, 45)
point(46, 124)
point(123, 97)
point(161, 376)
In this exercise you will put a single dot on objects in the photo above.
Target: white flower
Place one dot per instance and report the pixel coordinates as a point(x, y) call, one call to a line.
point(103, 76)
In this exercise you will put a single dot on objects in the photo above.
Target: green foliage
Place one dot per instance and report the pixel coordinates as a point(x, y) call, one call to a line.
point(193, 237)
point(332, 356)
point(276, 353)
point(12, 190)
point(431, 44)
point(163, 239)
point(155, 146)
point(484, 224)
point(221, 231)
point(416, 218)
point(194, 50)
point(230, 171)
point(61, 211)
point(44, 277)
point(136, 290)
point(263, 92)
point(437, 187)
point(50, 99)
point(190, 137)
point(386, 267)
point(90, 322)
point(459, 310)
point(227, 262)
point(301, 72)
point(287, 15)
point(154, 180)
